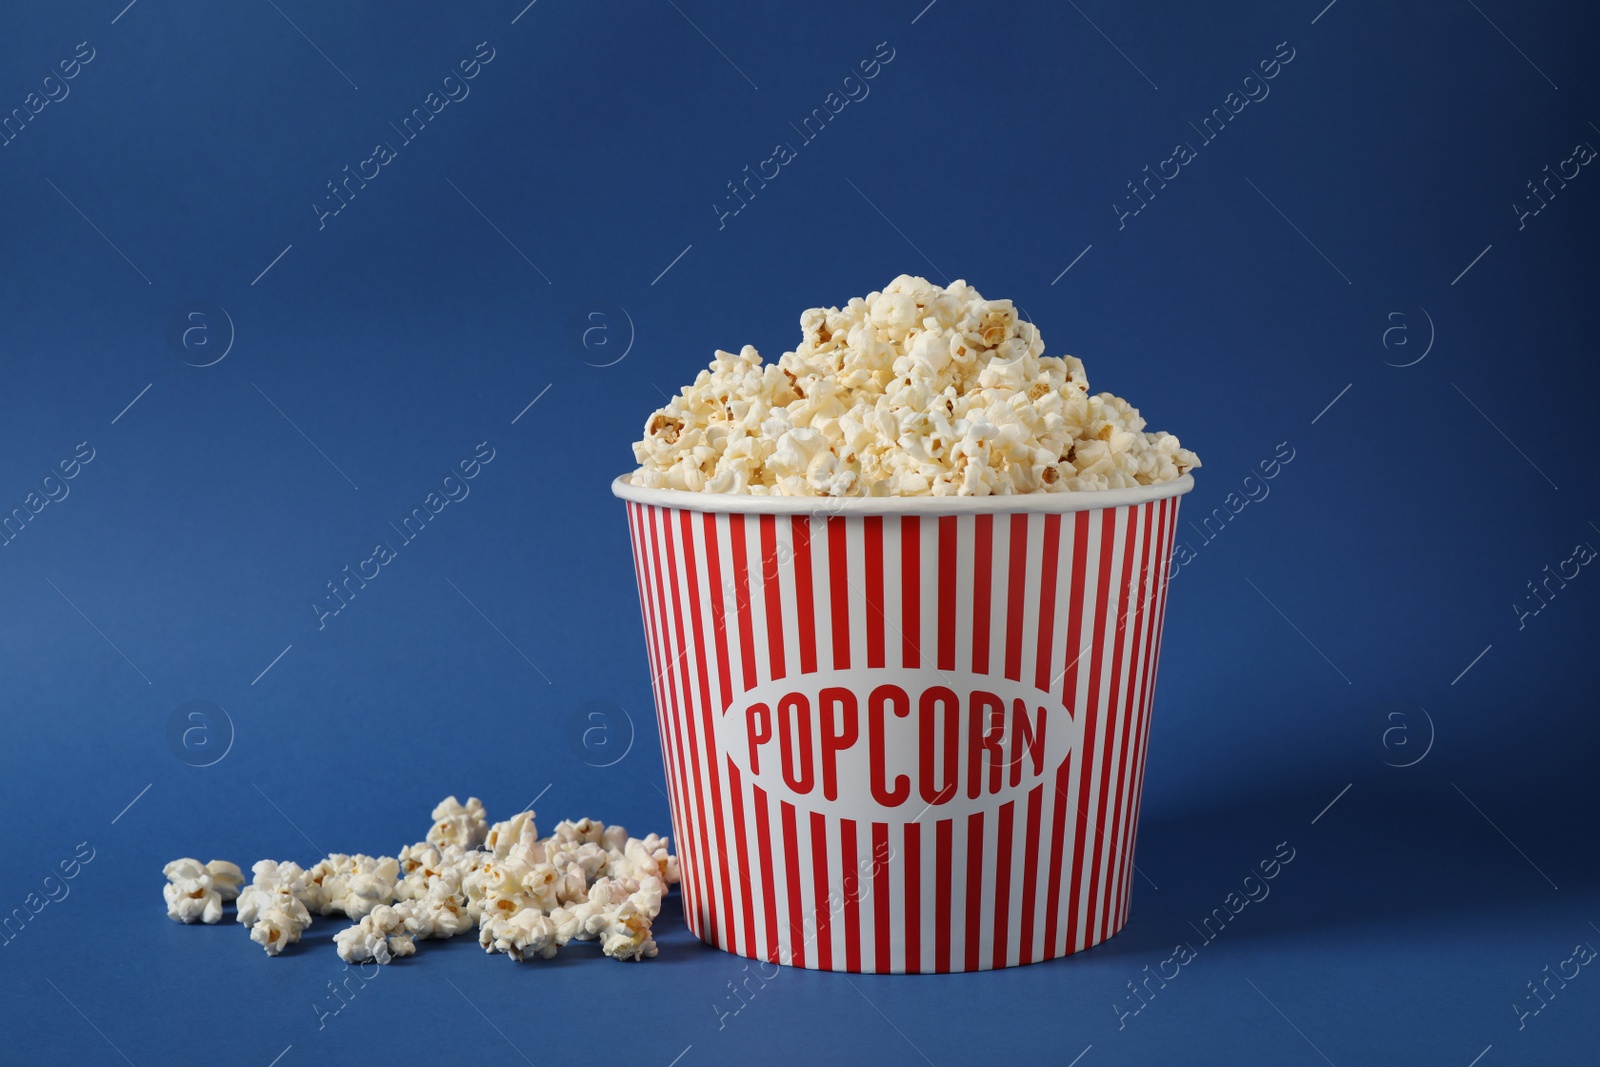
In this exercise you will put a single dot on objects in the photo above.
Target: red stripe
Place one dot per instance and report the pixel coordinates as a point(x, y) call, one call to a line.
point(943, 874)
point(839, 591)
point(913, 869)
point(1016, 596)
point(852, 896)
point(1146, 688)
point(772, 595)
point(708, 734)
point(1113, 688)
point(910, 591)
point(822, 893)
point(1127, 715)
point(1030, 874)
point(769, 899)
point(880, 898)
point(1002, 883)
point(741, 593)
point(1090, 711)
point(1169, 526)
point(741, 844)
point(805, 606)
point(948, 594)
point(982, 589)
point(972, 928)
point(791, 863)
point(872, 538)
point(1069, 690)
point(719, 620)
point(689, 762)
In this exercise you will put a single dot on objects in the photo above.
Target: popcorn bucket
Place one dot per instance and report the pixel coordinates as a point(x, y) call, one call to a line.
point(904, 735)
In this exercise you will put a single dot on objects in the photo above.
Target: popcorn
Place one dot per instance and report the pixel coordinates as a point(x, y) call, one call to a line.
point(196, 891)
point(442, 910)
point(502, 835)
point(644, 858)
point(281, 922)
point(272, 905)
point(528, 932)
point(383, 934)
point(528, 895)
point(458, 824)
point(917, 390)
point(354, 885)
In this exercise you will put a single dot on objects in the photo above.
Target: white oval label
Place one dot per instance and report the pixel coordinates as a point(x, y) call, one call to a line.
point(891, 746)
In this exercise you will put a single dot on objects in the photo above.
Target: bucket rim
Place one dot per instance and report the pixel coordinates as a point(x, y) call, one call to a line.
point(1015, 503)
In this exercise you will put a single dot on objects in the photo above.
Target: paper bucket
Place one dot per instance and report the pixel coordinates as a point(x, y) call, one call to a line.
point(904, 734)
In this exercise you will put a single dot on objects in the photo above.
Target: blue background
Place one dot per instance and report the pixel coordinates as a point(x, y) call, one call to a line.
point(1349, 639)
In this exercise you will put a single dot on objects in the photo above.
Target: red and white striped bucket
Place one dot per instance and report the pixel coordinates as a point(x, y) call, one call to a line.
point(904, 734)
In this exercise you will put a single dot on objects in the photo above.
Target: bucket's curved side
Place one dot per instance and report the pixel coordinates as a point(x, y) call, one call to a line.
point(1037, 861)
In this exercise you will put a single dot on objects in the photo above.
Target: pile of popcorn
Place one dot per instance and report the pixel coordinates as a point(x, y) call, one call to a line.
point(528, 895)
point(915, 391)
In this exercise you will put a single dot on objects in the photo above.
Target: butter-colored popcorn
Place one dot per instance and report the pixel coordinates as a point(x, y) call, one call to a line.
point(917, 390)
point(455, 823)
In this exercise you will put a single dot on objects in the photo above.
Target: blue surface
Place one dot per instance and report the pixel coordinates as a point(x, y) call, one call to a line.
point(1358, 619)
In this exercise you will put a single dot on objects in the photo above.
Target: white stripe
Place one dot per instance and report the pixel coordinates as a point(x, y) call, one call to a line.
point(710, 883)
point(755, 606)
point(1019, 874)
point(704, 661)
point(1070, 859)
point(726, 595)
point(961, 598)
point(898, 870)
point(1032, 595)
point(763, 673)
point(1109, 742)
point(1096, 758)
point(677, 686)
point(1060, 656)
point(1127, 693)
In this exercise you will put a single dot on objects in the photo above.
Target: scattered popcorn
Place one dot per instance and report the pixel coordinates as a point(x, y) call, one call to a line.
point(458, 824)
point(527, 895)
point(915, 391)
point(354, 885)
point(525, 933)
point(196, 891)
point(274, 904)
point(280, 923)
point(383, 934)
